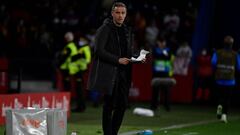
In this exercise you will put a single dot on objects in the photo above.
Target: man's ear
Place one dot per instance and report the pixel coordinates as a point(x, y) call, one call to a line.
point(112, 13)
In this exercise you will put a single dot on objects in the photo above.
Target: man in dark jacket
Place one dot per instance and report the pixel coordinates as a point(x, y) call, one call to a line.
point(111, 68)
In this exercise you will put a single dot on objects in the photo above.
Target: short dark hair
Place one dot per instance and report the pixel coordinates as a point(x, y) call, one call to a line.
point(118, 4)
point(228, 39)
point(161, 38)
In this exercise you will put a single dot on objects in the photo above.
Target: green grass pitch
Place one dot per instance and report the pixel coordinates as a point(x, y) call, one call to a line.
point(182, 120)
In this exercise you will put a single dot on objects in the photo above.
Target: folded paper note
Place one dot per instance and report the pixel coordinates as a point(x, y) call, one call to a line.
point(142, 56)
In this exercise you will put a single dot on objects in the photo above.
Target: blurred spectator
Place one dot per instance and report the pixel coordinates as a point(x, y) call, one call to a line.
point(83, 60)
point(84, 50)
point(21, 36)
point(91, 37)
point(71, 71)
point(3, 12)
point(71, 20)
point(171, 21)
point(187, 24)
point(162, 74)
point(45, 41)
point(151, 33)
point(140, 26)
point(44, 23)
point(225, 62)
point(204, 75)
point(182, 60)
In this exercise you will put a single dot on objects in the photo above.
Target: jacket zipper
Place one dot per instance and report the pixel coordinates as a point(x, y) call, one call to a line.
point(118, 41)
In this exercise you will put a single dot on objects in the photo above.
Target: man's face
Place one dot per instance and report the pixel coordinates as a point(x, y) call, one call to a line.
point(119, 15)
point(161, 44)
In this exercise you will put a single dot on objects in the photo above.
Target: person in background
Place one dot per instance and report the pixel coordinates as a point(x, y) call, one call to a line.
point(82, 61)
point(71, 70)
point(171, 21)
point(162, 67)
point(151, 33)
point(111, 69)
point(225, 62)
point(183, 59)
point(204, 75)
point(84, 54)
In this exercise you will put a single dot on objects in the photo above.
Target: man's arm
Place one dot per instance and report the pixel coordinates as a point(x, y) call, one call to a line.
point(101, 40)
point(64, 54)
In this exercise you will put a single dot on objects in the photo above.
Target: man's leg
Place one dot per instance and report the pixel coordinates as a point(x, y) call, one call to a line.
point(120, 104)
point(220, 95)
point(66, 80)
point(166, 93)
point(155, 96)
point(107, 115)
point(224, 102)
point(81, 106)
point(117, 119)
point(227, 93)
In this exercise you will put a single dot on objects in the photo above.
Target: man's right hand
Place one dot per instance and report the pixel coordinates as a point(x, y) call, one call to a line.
point(123, 61)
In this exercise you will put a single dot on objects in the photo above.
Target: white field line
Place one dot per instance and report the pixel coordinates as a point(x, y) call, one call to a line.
point(174, 126)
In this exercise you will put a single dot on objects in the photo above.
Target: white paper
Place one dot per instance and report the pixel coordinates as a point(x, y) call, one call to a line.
point(142, 56)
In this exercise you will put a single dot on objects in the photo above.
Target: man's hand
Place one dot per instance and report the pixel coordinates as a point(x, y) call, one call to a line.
point(144, 60)
point(123, 61)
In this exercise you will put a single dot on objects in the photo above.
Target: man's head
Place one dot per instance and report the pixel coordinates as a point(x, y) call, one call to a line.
point(82, 41)
point(228, 41)
point(161, 42)
point(119, 12)
point(69, 37)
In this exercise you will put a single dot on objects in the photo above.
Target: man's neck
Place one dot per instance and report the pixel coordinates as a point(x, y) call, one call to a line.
point(117, 24)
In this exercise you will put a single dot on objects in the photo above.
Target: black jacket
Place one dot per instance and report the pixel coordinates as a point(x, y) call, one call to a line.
point(105, 66)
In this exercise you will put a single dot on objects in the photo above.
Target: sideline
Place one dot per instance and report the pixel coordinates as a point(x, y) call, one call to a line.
point(174, 127)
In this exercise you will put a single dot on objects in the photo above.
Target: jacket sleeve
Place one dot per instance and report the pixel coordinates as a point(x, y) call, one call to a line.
point(101, 40)
point(63, 56)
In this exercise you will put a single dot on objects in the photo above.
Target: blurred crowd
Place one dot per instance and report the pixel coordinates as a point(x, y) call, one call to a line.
point(35, 28)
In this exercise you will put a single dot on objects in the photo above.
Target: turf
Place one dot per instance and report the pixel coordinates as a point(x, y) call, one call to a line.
point(231, 128)
point(191, 119)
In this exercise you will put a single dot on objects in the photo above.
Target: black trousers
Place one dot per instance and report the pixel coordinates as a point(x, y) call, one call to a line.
point(114, 107)
point(74, 82)
point(224, 94)
point(160, 91)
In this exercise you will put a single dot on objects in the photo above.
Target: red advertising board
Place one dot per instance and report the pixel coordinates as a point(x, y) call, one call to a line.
point(141, 85)
point(60, 100)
